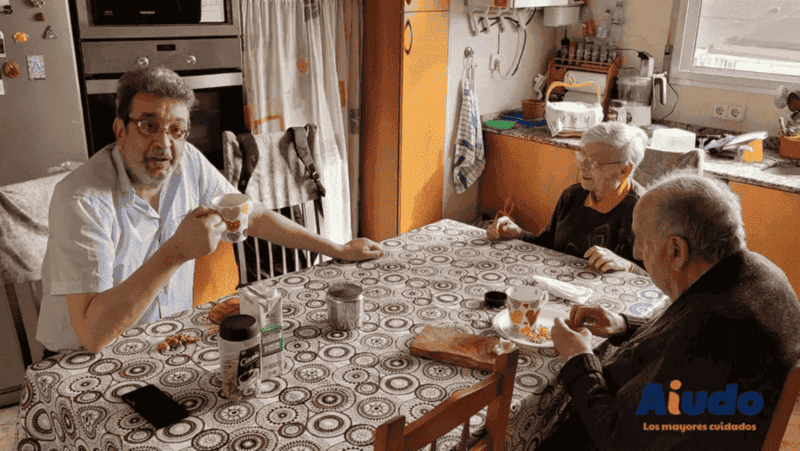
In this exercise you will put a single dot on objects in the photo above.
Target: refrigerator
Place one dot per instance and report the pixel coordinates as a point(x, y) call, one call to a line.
point(41, 116)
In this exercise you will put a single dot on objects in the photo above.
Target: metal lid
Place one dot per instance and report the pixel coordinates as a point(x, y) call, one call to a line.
point(345, 291)
point(238, 328)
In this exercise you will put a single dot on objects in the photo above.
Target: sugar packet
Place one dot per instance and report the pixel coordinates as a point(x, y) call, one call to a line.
point(265, 304)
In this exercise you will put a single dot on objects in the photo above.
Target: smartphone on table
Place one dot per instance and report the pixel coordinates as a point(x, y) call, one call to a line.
point(155, 406)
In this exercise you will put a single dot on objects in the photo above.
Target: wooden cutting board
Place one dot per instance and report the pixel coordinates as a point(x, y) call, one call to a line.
point(446, 345)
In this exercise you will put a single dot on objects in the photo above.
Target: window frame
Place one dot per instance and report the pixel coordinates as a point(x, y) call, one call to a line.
point(682, 73)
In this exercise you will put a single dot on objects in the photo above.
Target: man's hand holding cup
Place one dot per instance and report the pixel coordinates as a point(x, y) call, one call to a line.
point(198, 234)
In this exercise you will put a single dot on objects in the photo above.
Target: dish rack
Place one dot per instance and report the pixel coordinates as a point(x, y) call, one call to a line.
point(557, 68)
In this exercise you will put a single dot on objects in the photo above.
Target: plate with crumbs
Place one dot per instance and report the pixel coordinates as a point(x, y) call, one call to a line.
point(501, 323)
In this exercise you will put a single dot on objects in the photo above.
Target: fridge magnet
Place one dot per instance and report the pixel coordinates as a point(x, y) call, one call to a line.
point(6, 6)
point(20, 37)
point(11, 69)
point(49, 33)
point(2, 89)
point(2, 45)
point(37, 3)
point(40, 17)
point(35, 67)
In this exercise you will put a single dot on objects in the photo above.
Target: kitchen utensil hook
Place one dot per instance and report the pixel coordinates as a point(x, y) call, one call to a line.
point(469, 68)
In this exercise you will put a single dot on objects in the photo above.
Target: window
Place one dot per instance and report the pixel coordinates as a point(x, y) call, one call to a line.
point(750, 45)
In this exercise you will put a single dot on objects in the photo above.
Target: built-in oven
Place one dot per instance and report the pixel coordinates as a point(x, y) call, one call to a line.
point(207, 54)
point(149, 19)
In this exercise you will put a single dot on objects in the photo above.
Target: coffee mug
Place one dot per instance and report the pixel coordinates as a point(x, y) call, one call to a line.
point(524, 305)
point(234, 210)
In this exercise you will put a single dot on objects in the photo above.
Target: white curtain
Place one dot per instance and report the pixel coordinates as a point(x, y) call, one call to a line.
point(291, 78)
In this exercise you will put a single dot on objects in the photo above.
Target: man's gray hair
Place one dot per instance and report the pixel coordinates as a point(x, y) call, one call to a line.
point(701, 209)
point(630, 140)
point(158, 81)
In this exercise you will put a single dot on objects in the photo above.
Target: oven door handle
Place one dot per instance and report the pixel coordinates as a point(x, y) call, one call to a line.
point(194, 82)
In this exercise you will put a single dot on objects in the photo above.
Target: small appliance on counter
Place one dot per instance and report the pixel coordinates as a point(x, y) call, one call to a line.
point(638, 91)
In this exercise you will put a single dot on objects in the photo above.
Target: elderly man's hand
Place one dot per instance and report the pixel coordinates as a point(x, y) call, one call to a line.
point(569, 342)
point(604, 260)
point(597, 319)
point(198, 234)
point(502, 229)
point(360, 249)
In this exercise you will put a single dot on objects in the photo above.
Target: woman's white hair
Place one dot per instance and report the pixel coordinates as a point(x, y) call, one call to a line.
point(701, 209)
point(629, 139)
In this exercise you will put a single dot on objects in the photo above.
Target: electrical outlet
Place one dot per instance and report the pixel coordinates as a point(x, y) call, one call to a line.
point(736, 113)
point(719, 110)
point(494, 62)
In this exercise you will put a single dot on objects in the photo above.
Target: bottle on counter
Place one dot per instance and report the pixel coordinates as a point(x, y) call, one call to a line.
point(605, 27)
point(617, 111)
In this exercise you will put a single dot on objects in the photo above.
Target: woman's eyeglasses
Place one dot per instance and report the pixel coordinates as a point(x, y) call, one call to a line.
point(152, 127)
point(581, 158)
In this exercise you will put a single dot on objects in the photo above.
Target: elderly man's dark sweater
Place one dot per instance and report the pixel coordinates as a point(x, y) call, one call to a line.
point(737, 324)
point(574, 227)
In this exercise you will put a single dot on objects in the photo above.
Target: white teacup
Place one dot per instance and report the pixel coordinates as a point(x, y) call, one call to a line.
point(524, 305)
point(235, 211)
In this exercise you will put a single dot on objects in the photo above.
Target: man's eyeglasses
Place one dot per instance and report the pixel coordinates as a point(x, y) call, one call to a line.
point(152, 127)
point(581, 158)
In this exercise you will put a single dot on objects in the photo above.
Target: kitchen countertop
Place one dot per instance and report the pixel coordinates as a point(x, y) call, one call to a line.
point(721, 167)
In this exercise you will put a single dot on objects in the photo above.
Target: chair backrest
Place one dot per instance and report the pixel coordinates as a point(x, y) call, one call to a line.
point(780, 418)
point(264, 259)
point(493, 392)
point(271, 170)
point(657, 163)
point(24, 230)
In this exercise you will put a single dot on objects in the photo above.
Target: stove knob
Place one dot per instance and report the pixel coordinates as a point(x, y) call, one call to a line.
point(191, 59)
point(142, 61)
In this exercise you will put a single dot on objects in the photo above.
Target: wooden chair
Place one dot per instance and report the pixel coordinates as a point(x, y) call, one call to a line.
point(780, 419)
point(215, 275)
point(495, 392)
point(244, 155)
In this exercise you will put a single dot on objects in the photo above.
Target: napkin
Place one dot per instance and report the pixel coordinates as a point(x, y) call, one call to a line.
point(568, 291)
point(447, 345)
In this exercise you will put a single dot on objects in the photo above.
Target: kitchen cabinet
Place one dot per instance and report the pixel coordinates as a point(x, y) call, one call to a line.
point(531, 174)
point(404, 105)
point(770, 221)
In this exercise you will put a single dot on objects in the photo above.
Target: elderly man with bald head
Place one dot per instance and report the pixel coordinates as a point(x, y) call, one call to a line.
point(707, 371)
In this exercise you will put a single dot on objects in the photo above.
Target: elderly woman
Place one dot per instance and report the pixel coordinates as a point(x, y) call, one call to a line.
point(593, 218)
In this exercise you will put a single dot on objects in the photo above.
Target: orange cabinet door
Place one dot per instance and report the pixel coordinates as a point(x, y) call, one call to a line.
point(532, 175)
point(423, 110)
point(770, 220)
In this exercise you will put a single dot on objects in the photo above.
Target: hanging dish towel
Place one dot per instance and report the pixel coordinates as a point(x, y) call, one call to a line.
point(469, 156)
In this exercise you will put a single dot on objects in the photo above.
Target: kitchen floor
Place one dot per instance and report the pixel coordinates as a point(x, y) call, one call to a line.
point(8, 420)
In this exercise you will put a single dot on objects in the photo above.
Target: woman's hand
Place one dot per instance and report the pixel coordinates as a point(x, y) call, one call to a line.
point(597, 319)
point(502, 229)
point(604, 260)
point(360, 249)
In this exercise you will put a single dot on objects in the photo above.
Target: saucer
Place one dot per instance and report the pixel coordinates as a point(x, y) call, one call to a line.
point(501, 323)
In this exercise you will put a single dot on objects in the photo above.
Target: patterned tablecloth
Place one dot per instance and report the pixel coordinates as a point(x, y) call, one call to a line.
point(337, 387)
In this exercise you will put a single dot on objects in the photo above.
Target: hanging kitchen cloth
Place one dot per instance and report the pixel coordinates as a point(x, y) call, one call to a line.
point(468, 156)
